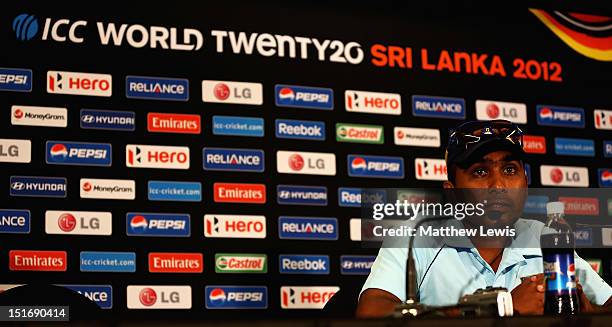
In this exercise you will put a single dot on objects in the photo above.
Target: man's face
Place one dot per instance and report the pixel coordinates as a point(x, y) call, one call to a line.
point(499, 178)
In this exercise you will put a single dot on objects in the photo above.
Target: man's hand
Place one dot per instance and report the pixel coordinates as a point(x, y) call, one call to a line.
point(528, 297)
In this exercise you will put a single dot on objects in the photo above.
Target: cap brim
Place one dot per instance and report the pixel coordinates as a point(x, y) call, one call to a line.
point(479, 150)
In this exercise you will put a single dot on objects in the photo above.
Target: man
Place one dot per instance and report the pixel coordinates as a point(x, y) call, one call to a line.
point(479, 155)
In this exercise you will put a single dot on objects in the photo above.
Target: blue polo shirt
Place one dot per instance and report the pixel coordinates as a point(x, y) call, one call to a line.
point(459, 271)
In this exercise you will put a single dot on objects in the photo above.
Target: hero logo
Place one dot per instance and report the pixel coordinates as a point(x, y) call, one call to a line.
point(231, 226)
point(78, 222)
point(154, 156)
point(236, 297)
point(564, 176)
point(59, 82)
point(560, 116)
point(39, 116)
point(135, 35)
point(151, 224)
point(75, 153)
point(310, 163)
point(373, 102)
point(375, 166)
point(304, 97)
point(159, 297)
point(534, 144)
point(119, 189)
point(306, 297)
point(430, 169)
point(232, 92)
point(603, 119)
point(490, 110)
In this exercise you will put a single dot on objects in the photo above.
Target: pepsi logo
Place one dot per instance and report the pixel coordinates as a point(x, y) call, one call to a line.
point(18, 114)
point(556, 175)
point(87, 187)
point(59, 151)
point(606, 176)
point(221, 91)
point(359, 163)
point(147, 297)
point(67, 222)
point(546, 113)
point(492, 110)
point(286, 94)
point(296, 162)
point(139, 222)
point(217, 296)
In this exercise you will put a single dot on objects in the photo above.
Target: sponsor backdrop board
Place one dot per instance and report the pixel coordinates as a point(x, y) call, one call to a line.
point(210, 156)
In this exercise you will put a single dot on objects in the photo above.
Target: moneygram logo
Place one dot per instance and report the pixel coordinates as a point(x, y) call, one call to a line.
point(491, 110)
point(375, 166)
point(15, 79)
point(59, 82)
point(78, 153)
point(603, 119)
point(157, 156)
point(15, 221)
point(373, 102)
point(176, 262)
point(306, 297)
point(238, 126)
point(304, 97)
point(136, 36)
point(236, 297)
point(301, 195)
point(534, 144)
point(78, 222)
point(108, 120)
point(118, 189)
point(300, 129)
point(38, 186)
point(309, 163)
point(32, 260)
point(412, 136)
point(564, 176)
point(15, 151)
point(304, 264)
point(173, 123)
point(430, 169)
point(39, 116)
point(438, 107)
point(249, 160)
point(239, 193)
point(358, 133)
point(156, 88)
point(241, 263)
point(232, 92)
point(560, 116)
point(234, 226)
point(574, 147)
point(308, 228)
point(158, 224)
point(159, 297)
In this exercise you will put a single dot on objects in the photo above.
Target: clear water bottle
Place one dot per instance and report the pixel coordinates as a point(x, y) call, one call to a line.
point(557, 241)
